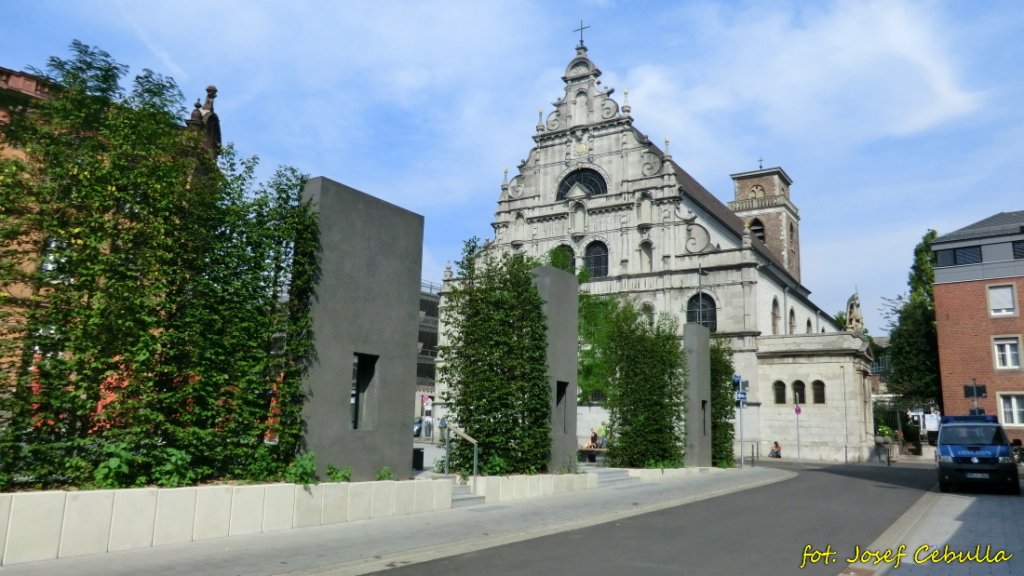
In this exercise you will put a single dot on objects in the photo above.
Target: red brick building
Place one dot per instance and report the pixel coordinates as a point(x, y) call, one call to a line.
point(979, 279)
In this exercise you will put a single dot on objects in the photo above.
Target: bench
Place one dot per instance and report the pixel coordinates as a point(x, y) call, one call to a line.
point(590, 454)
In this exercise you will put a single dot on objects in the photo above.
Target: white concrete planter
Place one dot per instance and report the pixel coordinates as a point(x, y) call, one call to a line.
point(57, 524)
point(507, 488)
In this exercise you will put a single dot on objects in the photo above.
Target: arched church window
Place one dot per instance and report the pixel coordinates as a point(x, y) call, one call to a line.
point(701, 309)
point(590, 181)
point(563, 258)
point(779, 391)
point(646, 257)
point(818, 390)
point(757, 229)
point(792, 321)
point(776, 316)
point(792, 237)
point(799, 393)
point(596, 259)
point(810, 328)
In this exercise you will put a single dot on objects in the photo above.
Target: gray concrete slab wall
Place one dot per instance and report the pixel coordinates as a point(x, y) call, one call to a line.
point(560, 292)
point(696, 343)
point(366, 309)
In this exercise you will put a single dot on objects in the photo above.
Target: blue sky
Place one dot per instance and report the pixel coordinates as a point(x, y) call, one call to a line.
point(891, 117)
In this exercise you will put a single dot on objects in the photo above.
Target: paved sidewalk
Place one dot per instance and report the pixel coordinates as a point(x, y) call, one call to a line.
point(966, 534)
point(368, 546)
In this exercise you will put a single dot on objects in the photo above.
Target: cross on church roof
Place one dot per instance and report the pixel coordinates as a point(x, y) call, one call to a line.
point(760, 163)
point(580, 30)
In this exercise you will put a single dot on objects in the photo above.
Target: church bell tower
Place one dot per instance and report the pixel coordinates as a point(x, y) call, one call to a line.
point(763, 203)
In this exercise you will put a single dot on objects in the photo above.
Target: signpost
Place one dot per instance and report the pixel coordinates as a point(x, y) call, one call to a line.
point(796, 410)
point(973, 391)
point(741, 397)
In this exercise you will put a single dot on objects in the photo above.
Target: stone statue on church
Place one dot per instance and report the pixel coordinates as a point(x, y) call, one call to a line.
point(854, 319)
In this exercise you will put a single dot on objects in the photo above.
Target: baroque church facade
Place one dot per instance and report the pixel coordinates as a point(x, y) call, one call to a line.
point(597, 189)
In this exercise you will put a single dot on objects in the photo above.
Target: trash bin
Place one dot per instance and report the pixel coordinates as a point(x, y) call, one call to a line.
point(417, 458)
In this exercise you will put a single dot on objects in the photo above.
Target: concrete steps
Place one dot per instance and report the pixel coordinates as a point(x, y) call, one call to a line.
point(610, 477)
point(463, 496)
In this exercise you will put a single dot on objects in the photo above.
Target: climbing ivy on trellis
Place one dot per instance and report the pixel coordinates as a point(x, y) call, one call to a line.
point(495, 363)
point(156, 305)
point(647, 387)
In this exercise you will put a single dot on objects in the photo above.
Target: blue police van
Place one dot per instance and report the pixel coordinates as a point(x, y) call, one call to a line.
point(972, 451)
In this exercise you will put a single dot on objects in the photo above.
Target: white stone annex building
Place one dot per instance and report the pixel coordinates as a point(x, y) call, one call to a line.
point(595, 187)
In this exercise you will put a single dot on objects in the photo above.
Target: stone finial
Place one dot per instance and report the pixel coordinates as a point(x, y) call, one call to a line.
point(196, 121)
point(448, 270)
point(211, 93)
point(625, 101)
point(668, 153)
point(540, 119)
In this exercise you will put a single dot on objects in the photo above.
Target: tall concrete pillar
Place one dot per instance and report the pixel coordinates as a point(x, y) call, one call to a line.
point(560, 292)
point(696, 343)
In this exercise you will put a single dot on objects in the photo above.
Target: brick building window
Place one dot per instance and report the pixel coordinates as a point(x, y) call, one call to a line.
point(1018, 250)
point(1001, 300)
point(757, 229)
point(958, 256)
point(1013, 408)
point(1007, 351)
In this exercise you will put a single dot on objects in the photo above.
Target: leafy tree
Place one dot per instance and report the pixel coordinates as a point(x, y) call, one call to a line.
point(913, 340)
point(841, 319)
point(495, 363)
point(592, 379)
point(161, 317)
point(594, 372)
point(723, 407)
point(561, 257)
point(647, 388)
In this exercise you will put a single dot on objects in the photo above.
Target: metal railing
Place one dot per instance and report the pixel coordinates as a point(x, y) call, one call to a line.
point(447, 450)
point(754, 452)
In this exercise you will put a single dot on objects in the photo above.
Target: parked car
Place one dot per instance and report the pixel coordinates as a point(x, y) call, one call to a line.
point(974, 450)
point(417, 427)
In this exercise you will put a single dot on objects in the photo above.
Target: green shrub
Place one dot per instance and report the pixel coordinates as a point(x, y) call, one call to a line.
point(495, 361)
point(385, 473)
point(647, 391)
point(335, 474)
point(302, 470)
point(495, 466)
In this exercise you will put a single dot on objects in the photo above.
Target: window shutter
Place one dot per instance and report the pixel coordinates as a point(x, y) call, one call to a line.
point(1001, 299)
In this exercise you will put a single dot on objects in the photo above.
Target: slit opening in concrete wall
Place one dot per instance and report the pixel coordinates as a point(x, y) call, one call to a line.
point(561, 406)
point(364, 376)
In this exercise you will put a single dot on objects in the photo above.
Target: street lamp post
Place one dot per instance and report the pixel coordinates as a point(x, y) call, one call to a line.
point(846, 420)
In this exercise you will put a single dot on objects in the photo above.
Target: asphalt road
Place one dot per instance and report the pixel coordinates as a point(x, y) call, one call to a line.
point(759, 531)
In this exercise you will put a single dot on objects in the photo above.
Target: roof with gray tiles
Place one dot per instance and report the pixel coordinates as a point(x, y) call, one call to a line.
point(997, 225)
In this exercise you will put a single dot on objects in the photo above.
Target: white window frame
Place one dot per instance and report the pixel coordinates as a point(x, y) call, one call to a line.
point(992, 310)
point(1006, 352)
point(1016, 408)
